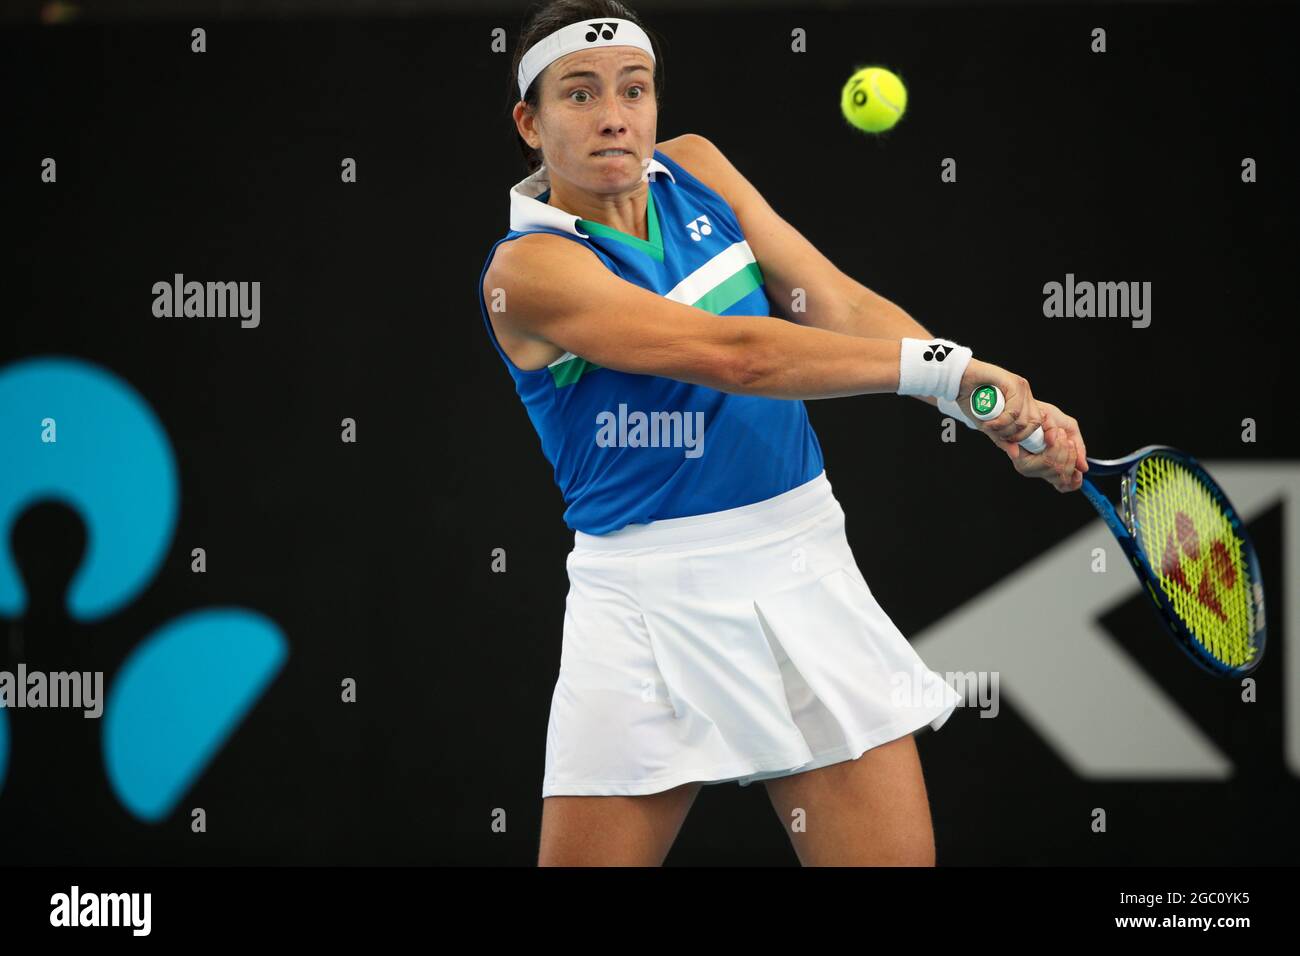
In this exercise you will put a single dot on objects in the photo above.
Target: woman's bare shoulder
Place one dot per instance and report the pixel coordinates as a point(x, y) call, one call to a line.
point(534, 250)
point(687, 144)
point(526, 271)
point(702, 159)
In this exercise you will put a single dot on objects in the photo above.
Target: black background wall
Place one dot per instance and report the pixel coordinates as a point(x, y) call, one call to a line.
point(374, 557)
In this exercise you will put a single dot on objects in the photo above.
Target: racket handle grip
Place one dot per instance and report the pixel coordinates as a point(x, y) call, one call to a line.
point(986, 402)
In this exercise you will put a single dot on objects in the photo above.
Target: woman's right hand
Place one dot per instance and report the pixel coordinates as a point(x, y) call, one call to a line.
point(1021, 416)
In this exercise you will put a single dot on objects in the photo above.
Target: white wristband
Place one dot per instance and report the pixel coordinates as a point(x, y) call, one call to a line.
point(932, 367)
point(949, 407)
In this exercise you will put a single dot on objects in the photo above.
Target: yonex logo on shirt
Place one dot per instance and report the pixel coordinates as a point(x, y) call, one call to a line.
point(652, 430)
point(699, 227)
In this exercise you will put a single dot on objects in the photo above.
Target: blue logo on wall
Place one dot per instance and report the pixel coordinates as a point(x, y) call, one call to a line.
point(186, 687)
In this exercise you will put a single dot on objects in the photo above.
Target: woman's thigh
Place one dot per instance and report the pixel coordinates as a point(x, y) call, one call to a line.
point(872, 811)
point(613, 831)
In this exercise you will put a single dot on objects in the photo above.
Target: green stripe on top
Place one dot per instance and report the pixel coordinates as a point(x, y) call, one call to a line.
point(742, 276)
point(653, 248)
point(730, 291)
point(569, 370)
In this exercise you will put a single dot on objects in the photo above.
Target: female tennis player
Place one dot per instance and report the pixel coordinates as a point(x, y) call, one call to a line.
point(717, 627)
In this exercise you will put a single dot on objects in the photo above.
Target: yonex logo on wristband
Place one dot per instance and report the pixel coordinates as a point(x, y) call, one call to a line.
point(933, 367)
point(984, 400)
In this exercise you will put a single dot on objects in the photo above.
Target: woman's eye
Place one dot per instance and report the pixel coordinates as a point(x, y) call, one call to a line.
point(586, 96)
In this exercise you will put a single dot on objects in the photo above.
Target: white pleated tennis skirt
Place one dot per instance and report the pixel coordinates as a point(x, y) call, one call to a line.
point(739, 645)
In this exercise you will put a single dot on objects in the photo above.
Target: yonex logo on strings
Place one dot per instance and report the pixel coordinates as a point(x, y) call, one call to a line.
point(699, 227)
point(600, 31)
point(1215, 564)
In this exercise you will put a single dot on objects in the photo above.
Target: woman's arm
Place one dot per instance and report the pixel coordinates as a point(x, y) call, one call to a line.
point(555, 290)
point(834, 301)
point(838, 303)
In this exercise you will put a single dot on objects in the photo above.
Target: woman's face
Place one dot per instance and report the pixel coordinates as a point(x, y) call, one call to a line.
point(596, 100)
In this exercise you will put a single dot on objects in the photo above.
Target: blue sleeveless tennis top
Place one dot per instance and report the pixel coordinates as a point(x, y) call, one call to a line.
point(631, 449)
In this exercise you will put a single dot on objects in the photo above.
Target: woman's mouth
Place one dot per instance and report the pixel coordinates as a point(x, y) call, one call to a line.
point(613, 152)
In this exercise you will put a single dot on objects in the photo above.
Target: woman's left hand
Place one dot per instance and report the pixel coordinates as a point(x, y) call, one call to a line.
point(1064, 460)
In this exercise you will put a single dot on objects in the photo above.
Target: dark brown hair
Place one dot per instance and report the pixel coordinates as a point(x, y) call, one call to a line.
point(543, 20)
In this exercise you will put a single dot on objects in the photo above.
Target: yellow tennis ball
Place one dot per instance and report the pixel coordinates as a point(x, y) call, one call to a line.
point(873, 99)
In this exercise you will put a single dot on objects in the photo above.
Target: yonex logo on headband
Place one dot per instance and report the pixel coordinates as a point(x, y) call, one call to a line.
point(599, 28)
point(584, 35)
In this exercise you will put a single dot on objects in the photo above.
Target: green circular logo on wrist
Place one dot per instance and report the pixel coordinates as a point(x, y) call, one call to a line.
point(984, 399)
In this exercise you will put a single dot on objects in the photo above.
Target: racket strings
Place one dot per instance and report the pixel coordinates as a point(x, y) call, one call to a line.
point(1198, 558)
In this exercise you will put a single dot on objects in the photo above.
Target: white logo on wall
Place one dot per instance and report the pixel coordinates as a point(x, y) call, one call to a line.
point(1084, 695)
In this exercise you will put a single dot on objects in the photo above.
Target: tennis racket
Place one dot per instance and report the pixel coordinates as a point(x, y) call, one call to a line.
point(1186, 543)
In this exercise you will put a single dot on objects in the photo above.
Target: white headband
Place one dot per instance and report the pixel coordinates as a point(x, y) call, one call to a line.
point(579, 36)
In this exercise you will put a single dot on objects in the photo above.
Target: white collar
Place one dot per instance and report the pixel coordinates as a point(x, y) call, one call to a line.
point(528, 212)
